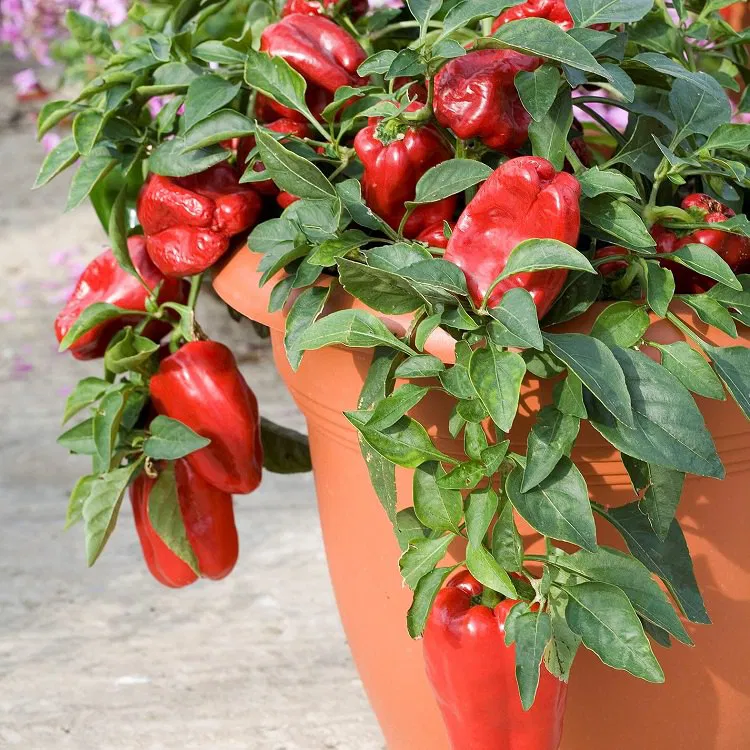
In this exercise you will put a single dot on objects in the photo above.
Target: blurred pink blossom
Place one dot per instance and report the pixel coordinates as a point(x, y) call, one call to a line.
point(25, 82)
point(50, 140)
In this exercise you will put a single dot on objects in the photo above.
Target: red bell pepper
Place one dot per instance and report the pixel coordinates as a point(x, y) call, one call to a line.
point(733, 248)
point(284, 126)
point(394, 163)
point(201, 386)
point(189, 222)
point(609, 269)
point(476, 97)
point(434, 235)
point(355, 8)
point(208, 515)
point(104, 281)
point(553, 10)
point(524, 198)
point(472, 672)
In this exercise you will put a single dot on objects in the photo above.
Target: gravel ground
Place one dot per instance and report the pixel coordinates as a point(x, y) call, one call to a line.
point(106, 658)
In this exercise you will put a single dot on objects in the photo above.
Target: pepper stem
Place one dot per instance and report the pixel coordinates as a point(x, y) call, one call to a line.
point(195, 287)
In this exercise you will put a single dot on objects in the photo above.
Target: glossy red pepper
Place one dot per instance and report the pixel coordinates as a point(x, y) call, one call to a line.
point(208, 515)
point(285, 126)
point(472, 672)
point(733, 248)
point(355, 8)
point(285, 199)
point(434, 235)
point(609, 269)
point(524, 198)
point(104, 281)
point(324, 53)
point(476, 97)
point(394, 162)
point(553, 10)
point(201, 386)
point(189, 222)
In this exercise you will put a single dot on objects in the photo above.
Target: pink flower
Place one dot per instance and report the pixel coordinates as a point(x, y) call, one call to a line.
point(26, 82)
point(49, 141)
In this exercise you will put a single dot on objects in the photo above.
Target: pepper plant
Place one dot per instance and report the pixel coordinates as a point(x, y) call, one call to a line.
point(492, 169)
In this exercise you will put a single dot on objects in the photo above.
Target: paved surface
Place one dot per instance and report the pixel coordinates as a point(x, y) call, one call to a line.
point(106, 658)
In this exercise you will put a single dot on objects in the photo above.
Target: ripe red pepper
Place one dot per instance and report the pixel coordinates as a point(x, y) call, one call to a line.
point(189, 222)
point(285, 199)
point(355, 8)
point(393, 164)
point(472, 672)
point(201, 386)
point(475, 96)
point(208, 515)
point(733, 248)
point(324, 53)
point(553, 10)
point(104, 281)
point(284, 126)
point(434, 235)
point(524, 198)
point(609, 269)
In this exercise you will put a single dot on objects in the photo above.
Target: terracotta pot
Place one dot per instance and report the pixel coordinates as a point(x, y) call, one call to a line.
point(705, 704)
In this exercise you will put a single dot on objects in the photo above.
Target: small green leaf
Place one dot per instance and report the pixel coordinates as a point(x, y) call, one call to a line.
point(304, 312)
point(541, 254)
point(424, 595)
point(711, 312)
point(483, 566)
point(422, 557)
point(481, 506)
point(78, 497)
point(517, 313)
point(57, 160)
point(549, 135)
point(449, 178)
point(274, 77)
point(707, 262)
point(660, 287)
point(732, 363)
point(388, 411)
point(496, 376)
point(596, 181)
point(621, 324)
point(86, 392)
point(507, 543)
point(171, 439)
point(420, 366)
point(538, 89)
point(354, 328)
point(551, 438)
point(532, 632)
point(105, 428)
point(691, 369)
point(437, 508)
point(205, 95)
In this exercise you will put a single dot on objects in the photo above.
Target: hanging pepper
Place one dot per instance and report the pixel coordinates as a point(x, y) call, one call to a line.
point(732, 248)
point(472, 672)
point(355, 8)
point(104, 281)
point(284, 126)
point(609, 269)
point(201, 386)
point(189, 222)
point(324, 53)
point(395, 156)
point(434, 235)
point(476, 97)
point(208, 515)
point(524, 198)
point(553, 10)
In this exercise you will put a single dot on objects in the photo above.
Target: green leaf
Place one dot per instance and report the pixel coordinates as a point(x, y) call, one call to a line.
point(598, 369)
point(354, 328)
point(616, 568)
point(608, 625)
point(79, 438)
point(93, 36)
point(551, 438)
point(558, 506)
point(698, 108)
point(424, 596)
point(381, 290)
point(641, 153)
point(541, 254)
point(216, 128)
point(465, 476)
point(538, 36)
point(131, 352)
point(274, 77)
point(171, 439)
point(707, 262)
point(449, 178)
point(531, 632)
point(78, 497)
point(494, 456)
point(87, 127)
point(737, 302)
point(420, 366)
point(423, 11)
point(118, 235)
point(52, 113)
point(621, 324)
point(105, 427)
point(481, 506)
point(304, 312)
point(205, 95)
point(668, 558)
point(465, 13)
point(291, 172)
point(660, 490)
point(691, 369)
point(589, 12)
point(389, 410)
point(102, 506)
point(436, 273)
point(729, 136)
point(94, 168)
point(618, 220)
point(580, 291)
point(483, 566)
point(285, 451)
point(171, 159)
point(660, 287)
point(422, 557)
point(568, 395)
point(712, 312)
point(732, 363)
point(596, 181)
point(538, 89)
point(166, 517)
point(86, 392)
point(507, 543)
point(565, 643)
point(379, 63)
point(437, 508)
point(549, 135)
point(496, 376)
point(668, 428)
point(91, 317)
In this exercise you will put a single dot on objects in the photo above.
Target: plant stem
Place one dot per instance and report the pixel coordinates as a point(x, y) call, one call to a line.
point(613, 131)
point(572, 157)
point(675, 321)
point(195, 287)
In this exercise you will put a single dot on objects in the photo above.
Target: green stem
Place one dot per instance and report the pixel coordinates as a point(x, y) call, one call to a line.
point(613, 131)
point(490, 598)
point(195, 287)
point(399, 26)
point(675, 321)
point(572, 157)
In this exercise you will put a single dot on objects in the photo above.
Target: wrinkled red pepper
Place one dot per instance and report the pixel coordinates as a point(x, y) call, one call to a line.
point(208, 515)
point(324, 53)
point(732, 248)
point(189, 222)
point(524, 198)
point(553, 10)
point(104, 281)
point(476, 97)
point(472, 672)
point(201, 386)
point(284, 126)
point(394, 162)
point(434, 235)
point(355, 8)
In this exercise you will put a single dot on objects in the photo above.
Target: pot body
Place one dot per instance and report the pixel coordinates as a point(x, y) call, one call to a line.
point(705, 704)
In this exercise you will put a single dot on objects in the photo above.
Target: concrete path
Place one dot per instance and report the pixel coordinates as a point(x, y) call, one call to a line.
point(106, 659)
